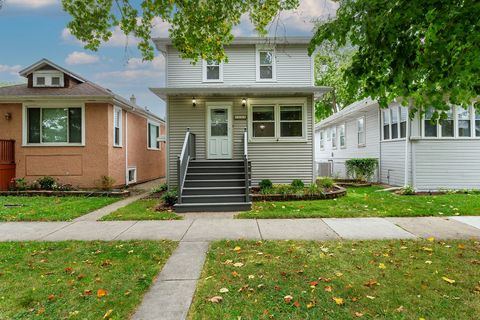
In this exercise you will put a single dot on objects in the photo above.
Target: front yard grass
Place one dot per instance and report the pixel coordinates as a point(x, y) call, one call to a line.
point(77, 280)
point(366, 202)
point(340, 280)
point(16, 208)
point(143, 209)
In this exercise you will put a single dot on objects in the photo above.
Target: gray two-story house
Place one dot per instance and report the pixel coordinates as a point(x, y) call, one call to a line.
point(230, 125)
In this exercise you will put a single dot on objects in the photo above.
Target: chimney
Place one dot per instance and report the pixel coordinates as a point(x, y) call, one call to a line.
point(133, 99)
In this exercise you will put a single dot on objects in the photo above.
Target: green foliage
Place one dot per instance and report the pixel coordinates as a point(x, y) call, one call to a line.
point(408, 191)
point(47, 183)
point(265, 185)
point(325, 182)
point(19, 184)
point(160, 188)
point(106, 183)
point(362, 169)
point(199, 29)
point(312, 189)
point(170, 198)
point(424, 51)
point(283, 189)
point(297, 184)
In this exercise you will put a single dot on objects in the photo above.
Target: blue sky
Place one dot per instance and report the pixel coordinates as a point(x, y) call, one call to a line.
point(35, 29)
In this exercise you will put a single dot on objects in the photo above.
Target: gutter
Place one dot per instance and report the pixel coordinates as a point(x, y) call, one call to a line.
point(126, 149)
point(407, 143)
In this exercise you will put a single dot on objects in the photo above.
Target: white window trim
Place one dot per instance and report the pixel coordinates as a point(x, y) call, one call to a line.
point(115, 109)
point(322, 139)
point(150, 122)
point(55, 105)
point(334, 138)
point(48, 75)
point(364, 144)
point(134, 175)
point(400, 108)
point(274, 63)
point(277, 103)
point(204, 73)
point(344, 125)
point(455, 127)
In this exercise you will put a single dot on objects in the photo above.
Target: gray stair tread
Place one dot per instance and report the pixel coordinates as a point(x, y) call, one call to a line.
point(212, 195)
point(215, 180)
point(212, 204)
point(212, 188)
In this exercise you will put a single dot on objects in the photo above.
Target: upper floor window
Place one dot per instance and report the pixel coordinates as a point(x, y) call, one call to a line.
point(153, 135)
point(212, 71)
point(394, 122)
point(117, 126)
point(341, 135)
point(361, 131)
point(386, 124)
point(54, 125)
point(266, 64)
point(48, 78)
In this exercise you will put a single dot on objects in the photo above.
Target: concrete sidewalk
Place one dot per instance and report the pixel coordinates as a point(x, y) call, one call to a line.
point(204, 230)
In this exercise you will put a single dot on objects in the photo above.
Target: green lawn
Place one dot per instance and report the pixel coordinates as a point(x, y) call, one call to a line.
point(366, 202)
point(77, 280)
point(340, 280)
point(143, 209)
point(49, 208)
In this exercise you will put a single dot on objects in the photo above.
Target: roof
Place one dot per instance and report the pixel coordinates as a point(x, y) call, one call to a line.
point(163, 93)
point(162, 43)
point(85, 90)
point(348, 111)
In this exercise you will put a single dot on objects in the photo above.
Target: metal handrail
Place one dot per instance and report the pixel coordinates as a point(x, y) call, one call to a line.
point(245, 164)
point(188, 153)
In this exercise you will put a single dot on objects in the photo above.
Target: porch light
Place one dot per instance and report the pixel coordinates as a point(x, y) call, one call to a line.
point(194, 102)
point(244, 102)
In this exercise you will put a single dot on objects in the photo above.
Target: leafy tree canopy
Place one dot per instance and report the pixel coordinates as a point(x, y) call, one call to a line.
point(199, 28)
point(424, 51)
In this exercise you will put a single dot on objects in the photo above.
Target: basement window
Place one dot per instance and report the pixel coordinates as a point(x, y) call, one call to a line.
point(132, 175)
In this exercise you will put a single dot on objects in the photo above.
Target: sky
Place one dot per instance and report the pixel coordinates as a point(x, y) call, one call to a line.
point(34, 29)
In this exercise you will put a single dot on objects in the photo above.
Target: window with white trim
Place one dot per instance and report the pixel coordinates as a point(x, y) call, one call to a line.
point(464, 122)
point(212, 71)
point(48, 78)
point(322, 141)
point(153, 134)
point(52, 125)
point(265, 64)
point(263, 121)
point(430, 127)
point(132, 175)
point(117, 126)
point(386, 124)
point(361, 131)
point(341, 135)
point(394, 122)
point(447, 125)
point(334, 138)
point(403, 121)
point(477, 122)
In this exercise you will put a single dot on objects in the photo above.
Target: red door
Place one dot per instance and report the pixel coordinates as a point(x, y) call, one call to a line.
point(7, 163)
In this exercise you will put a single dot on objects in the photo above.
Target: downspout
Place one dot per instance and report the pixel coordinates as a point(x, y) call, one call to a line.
point(380, 132)
point(126, 148)
point(407, 143)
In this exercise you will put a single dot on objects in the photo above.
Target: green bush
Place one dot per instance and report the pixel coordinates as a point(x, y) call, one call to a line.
point(283, 189)
point(106, 183)
point(170, 198)
point(361, 169)
point(160, 188)
point(20, 184)
point(312, 189)
point(265, 185)
point(47, 183)
point(407, 190)
point(325, 182)
point(297, 184)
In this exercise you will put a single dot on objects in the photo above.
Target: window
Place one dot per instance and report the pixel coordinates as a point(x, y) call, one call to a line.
point(403, 122)
point(328, 135)
point(334, 138)
point(477, 122)
point(153, 134)
point(341, 135)
point(361, 131)
point(55, 81)
point(54, 125)
point(40, 81)
point(322, 137)
point(386, 124)
point(266, 65)
point(48, 78)
point(117, 127)
point(394, 122)
point(275, 121)
point(447, 125)
point(429, 127)
point(212, 71)
point(132, 175)
point(464, 122)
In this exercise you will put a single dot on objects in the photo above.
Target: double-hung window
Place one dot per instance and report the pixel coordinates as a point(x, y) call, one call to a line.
point(386, 124)
point(361, 131)
point(54, 125)
point(341, 135)
point(117, 126)
point(464, 122)
point(430, 127)
point(153, 135)
point(334, 138)
point(394, 122)
point(477, 122)
point(447, 125)
point(266, 64)
point(291, 121)
point(403, 122)
point(263, 121)
point(212, 71)
point(322, 141)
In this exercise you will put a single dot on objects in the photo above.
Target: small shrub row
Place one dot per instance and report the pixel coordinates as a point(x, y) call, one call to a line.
point(296, 187)
point(48, 183)
point(362, 169)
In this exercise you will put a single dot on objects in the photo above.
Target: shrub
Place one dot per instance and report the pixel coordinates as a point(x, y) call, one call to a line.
point(297, 184)
point(20, 184)
point(407, 190)
point(47, 183)
point(361, 169)
point(265, 185)
point(283, 189)
point(106, 183)
point(170, 198)
point(312, 189)
point(160, 188)
point(325, 182)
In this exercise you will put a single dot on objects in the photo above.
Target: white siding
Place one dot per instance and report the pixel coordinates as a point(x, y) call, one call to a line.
point(293, 66)
point(393, 162)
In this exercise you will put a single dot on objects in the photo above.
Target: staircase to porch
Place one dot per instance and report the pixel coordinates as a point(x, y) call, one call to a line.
point(212, 185)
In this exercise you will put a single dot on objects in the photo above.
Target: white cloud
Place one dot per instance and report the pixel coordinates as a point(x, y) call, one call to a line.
point(77, 57)
point(12, 70)
point(34, 4)
point(10, 73)
point(137, 69)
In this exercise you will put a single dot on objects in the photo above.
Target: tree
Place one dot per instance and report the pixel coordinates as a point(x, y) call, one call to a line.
point(427, 52)
point(199, 28)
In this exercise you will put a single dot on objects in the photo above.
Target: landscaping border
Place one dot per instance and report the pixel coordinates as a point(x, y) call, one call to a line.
point(339, 192)
point(76, 193)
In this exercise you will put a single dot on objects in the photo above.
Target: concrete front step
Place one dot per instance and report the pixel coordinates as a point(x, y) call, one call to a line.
point(213, 190)
point(213, 198)
point(212, 207)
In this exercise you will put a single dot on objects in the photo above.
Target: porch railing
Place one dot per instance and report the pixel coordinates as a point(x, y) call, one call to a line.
point(7, 151)
point(188, 153)
point(245, 164)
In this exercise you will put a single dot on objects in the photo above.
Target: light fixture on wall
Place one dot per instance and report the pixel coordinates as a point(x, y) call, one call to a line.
point(244, 102)
point(194, 102)
point(8, 116)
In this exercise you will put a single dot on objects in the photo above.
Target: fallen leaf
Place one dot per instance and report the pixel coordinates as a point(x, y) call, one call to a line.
point(313, 284)
point(371, 283)
point(296, 304)
point(101, 293)
point(238, 264)
point(87, 292)
point(237, 248)
point(310, 305)
point(400, 309)
point(223, 290)
point(251, 276)
point(235, 274)
point(431, 239)
point(428, 262)
point(328, 289)
point(427, 249)
point(358, 314)
point(108, 314)
point(370, 297)
point(382, 266)
point(287, 299)
point(216, 299)
point(338, 274)
point(338, 301)
point(451, 281)
point(51, 297)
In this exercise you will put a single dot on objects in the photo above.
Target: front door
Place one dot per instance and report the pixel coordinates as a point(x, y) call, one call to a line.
point(219, 132)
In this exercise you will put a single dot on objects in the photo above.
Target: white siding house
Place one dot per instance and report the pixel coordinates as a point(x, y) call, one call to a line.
point(412, 152)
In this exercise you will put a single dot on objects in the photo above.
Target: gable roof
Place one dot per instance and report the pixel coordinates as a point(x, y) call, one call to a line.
point(44, 62)
point(350, 110)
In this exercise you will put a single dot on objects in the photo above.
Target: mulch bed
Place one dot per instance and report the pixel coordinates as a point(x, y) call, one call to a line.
point(336, 192)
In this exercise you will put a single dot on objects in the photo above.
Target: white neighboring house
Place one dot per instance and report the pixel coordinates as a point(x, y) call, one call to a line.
point(412, 152)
